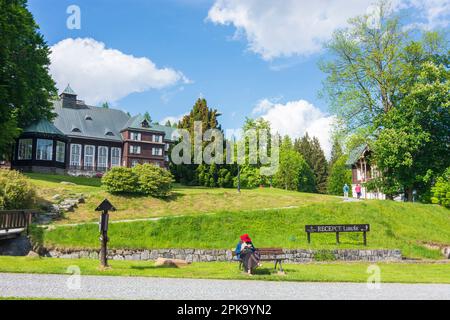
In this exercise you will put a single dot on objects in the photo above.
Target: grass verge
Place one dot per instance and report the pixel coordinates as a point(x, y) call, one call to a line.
point(393, 226)
point(331, 272)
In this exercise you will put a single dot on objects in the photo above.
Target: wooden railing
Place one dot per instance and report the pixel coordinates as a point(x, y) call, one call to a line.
point(19, 219)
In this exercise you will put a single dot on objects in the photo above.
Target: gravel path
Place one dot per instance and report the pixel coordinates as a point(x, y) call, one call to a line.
point(94, 287)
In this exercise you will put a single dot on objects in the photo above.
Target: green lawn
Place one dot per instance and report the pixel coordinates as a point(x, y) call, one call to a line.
point(394, 226)
point(184, 200)
point(335, 272)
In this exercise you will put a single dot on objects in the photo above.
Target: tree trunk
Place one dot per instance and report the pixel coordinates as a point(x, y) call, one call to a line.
point(409, 192)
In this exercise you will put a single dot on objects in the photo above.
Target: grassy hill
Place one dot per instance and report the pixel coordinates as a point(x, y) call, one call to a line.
point(262, 213)
point(184, 201)
point(404, 226)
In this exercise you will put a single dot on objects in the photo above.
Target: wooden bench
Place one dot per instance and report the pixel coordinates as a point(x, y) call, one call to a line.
point(268, 254)
point(14, 220)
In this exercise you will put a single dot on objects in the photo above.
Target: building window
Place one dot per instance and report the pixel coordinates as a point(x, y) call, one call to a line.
point(115, 157)
point(157, 138)
point(157, 164)
point(25, 149)
point(75, 155)
point(44, 150)
point(136, 136)
point(167, 147)
point(102, 157)
point(135, 149)
point(134, 163)
point(89, 156)
point(60, 151)
point(157, 152)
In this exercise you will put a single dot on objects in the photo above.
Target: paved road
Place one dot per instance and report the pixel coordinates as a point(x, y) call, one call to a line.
point(93, 287)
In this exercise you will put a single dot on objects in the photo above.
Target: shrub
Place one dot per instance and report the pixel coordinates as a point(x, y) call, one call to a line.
point(441, 190)
point(16, 192)
point(121, 180)
point(153, 181)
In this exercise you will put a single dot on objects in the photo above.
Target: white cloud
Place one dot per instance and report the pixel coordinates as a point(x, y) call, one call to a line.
point(298, 27)
point(99, 74)
point(172, 119)
point(296, 118)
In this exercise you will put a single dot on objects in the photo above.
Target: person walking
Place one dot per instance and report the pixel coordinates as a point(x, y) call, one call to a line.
point(346, 191)
point(358, 191)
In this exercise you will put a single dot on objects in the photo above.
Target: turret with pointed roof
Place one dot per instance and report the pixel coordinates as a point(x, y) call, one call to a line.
point(68, 98)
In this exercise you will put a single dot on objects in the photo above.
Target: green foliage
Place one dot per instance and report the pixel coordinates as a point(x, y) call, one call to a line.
point(411, 147)
point(147, 116)
point(312, 152)
point(250, 178)
point(141, 180)
point(394, 225)
point(363, 76)
point(340, 175)
point(324, 255)
point(26, 87)
point(202, 175)
point(293, 173)
point(16, 191)
point(121, 180)
point(153, 181)
point(441, 190)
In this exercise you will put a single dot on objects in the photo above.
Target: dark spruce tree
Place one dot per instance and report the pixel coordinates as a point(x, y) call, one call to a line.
point(313, 153)
point(26, 88)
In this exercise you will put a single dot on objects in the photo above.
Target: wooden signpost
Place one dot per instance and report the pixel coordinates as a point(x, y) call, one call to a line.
point(364, 228)
point(104, 207)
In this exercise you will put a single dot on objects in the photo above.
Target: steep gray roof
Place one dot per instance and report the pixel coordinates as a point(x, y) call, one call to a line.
point(355, 154)
point(74, 122)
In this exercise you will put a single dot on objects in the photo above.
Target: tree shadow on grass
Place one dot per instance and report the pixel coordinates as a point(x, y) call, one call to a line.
point(153, 267)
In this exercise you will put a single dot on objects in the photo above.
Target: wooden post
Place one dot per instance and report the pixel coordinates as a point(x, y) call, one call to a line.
point(104, 240)
point(309, 237)
point(337, 237)
point(365, 238)
point(104, 207)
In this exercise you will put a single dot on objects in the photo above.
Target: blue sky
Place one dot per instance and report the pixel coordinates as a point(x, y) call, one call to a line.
point(161, 55)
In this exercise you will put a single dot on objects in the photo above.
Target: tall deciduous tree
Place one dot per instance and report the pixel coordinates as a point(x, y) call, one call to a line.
point(364, 75)
point(26, 87)
point(413, 146)
point(294, 173)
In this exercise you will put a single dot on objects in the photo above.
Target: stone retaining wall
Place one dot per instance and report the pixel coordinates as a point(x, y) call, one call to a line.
point(197, 255)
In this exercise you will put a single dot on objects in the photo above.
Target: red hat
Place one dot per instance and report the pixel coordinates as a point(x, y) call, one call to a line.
point(246, 238)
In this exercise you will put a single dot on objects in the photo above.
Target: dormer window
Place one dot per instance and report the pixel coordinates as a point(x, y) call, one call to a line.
point(76, 130)
point(88, 117)
point(109, 133)
point(145, 124)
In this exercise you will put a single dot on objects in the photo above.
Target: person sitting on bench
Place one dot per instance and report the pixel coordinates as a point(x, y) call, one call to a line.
point(248, 254)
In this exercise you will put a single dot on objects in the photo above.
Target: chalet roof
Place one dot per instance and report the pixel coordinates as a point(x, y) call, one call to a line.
point(76, 122)
point(355, 154)
point(136, 123)
point(43, 127)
